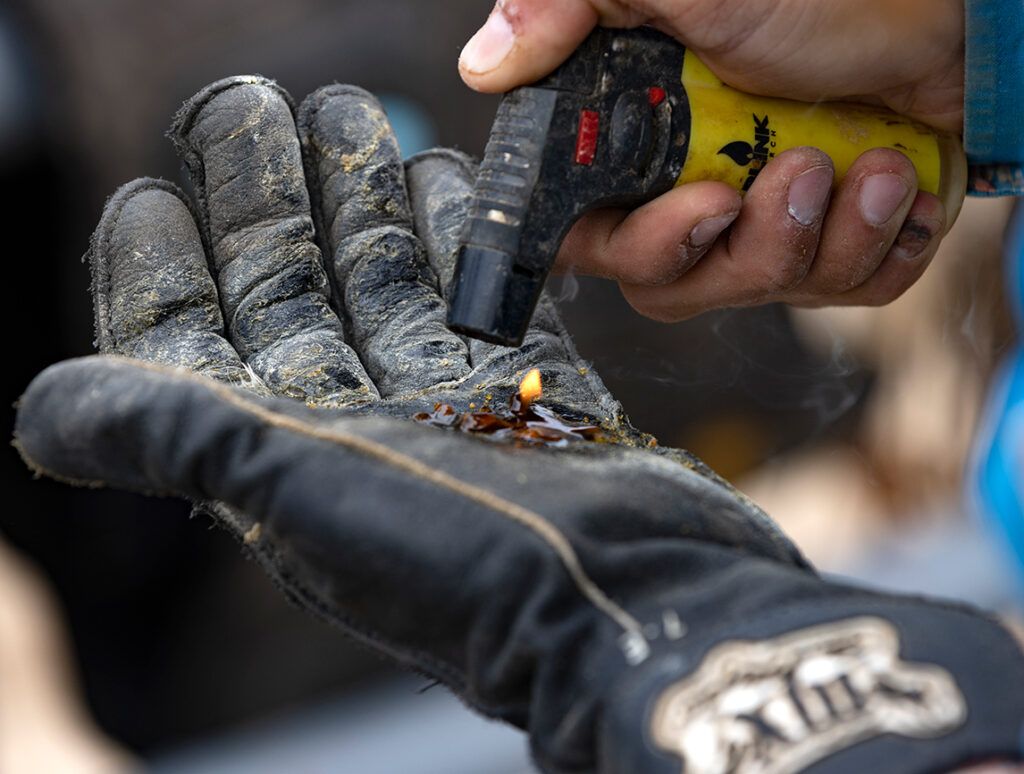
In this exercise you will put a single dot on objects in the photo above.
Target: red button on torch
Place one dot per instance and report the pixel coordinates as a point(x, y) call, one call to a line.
point(586, 137)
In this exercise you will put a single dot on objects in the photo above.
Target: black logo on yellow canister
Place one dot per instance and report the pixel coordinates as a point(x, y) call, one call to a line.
point(755, 156)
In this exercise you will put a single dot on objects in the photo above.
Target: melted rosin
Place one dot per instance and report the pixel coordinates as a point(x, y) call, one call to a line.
point(524, 423)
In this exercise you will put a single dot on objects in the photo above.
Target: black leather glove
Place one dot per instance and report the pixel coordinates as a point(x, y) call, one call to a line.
point(264, 353)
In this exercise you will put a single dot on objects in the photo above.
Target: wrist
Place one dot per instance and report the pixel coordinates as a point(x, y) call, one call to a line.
point(923, 56)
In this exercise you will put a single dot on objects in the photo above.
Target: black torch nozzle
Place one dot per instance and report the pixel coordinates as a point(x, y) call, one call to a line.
point(599, 131)
point(492, 297)
point(501, 267)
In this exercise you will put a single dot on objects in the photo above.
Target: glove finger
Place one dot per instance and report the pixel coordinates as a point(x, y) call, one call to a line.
point(238, 138)
point(391, 300)
point(153, 295)
point(440, 188)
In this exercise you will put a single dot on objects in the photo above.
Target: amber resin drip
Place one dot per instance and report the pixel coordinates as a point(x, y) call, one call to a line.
point(524, 422)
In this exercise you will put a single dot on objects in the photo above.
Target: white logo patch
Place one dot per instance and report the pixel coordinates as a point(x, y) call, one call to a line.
point(777, 706)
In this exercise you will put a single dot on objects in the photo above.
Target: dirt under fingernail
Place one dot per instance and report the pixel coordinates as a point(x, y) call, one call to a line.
point(914, 237)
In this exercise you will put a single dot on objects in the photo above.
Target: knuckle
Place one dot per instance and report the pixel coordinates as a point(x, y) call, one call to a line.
point(784, 273)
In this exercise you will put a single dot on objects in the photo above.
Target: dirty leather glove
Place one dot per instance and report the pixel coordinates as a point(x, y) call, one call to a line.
point(264, 350)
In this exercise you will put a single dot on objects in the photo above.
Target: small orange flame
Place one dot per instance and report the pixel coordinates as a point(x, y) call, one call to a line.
point(530, 388)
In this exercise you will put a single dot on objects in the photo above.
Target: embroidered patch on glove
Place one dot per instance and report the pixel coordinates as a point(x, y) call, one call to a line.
point(779, 705)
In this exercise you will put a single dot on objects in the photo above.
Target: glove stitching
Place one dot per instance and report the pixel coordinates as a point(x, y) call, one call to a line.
point(189, 112)
point(271, 563)
point(39, 470)
point(275, 566)
point(527, 518)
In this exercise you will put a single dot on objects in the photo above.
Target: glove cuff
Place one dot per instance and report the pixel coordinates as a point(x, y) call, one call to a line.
point(850, 682)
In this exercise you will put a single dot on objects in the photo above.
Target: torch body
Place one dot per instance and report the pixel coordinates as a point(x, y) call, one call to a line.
point(629, 116)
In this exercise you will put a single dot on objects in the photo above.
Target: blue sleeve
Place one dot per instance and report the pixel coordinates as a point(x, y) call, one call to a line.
point(997, 469)
point(994, 96)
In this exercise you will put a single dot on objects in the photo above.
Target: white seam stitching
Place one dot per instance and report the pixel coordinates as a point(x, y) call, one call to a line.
point(532, 520)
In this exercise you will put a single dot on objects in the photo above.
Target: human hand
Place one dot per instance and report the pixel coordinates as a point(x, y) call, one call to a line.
point(572, 591)
point(789, 239)
point(45, 724)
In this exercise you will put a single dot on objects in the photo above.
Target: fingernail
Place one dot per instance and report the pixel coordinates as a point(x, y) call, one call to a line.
point(916, 234)
point(881, 196)
point(489, 47)
point(702, 236)
point(808, 195)
point(707, 230)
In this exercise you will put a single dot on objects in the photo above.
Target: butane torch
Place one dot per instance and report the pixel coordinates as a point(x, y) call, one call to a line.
point(630, 115)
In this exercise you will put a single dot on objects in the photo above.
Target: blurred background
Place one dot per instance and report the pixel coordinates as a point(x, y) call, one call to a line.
point(132, 635)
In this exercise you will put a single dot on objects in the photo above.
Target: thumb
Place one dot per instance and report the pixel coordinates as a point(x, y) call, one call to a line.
point(524, 40)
